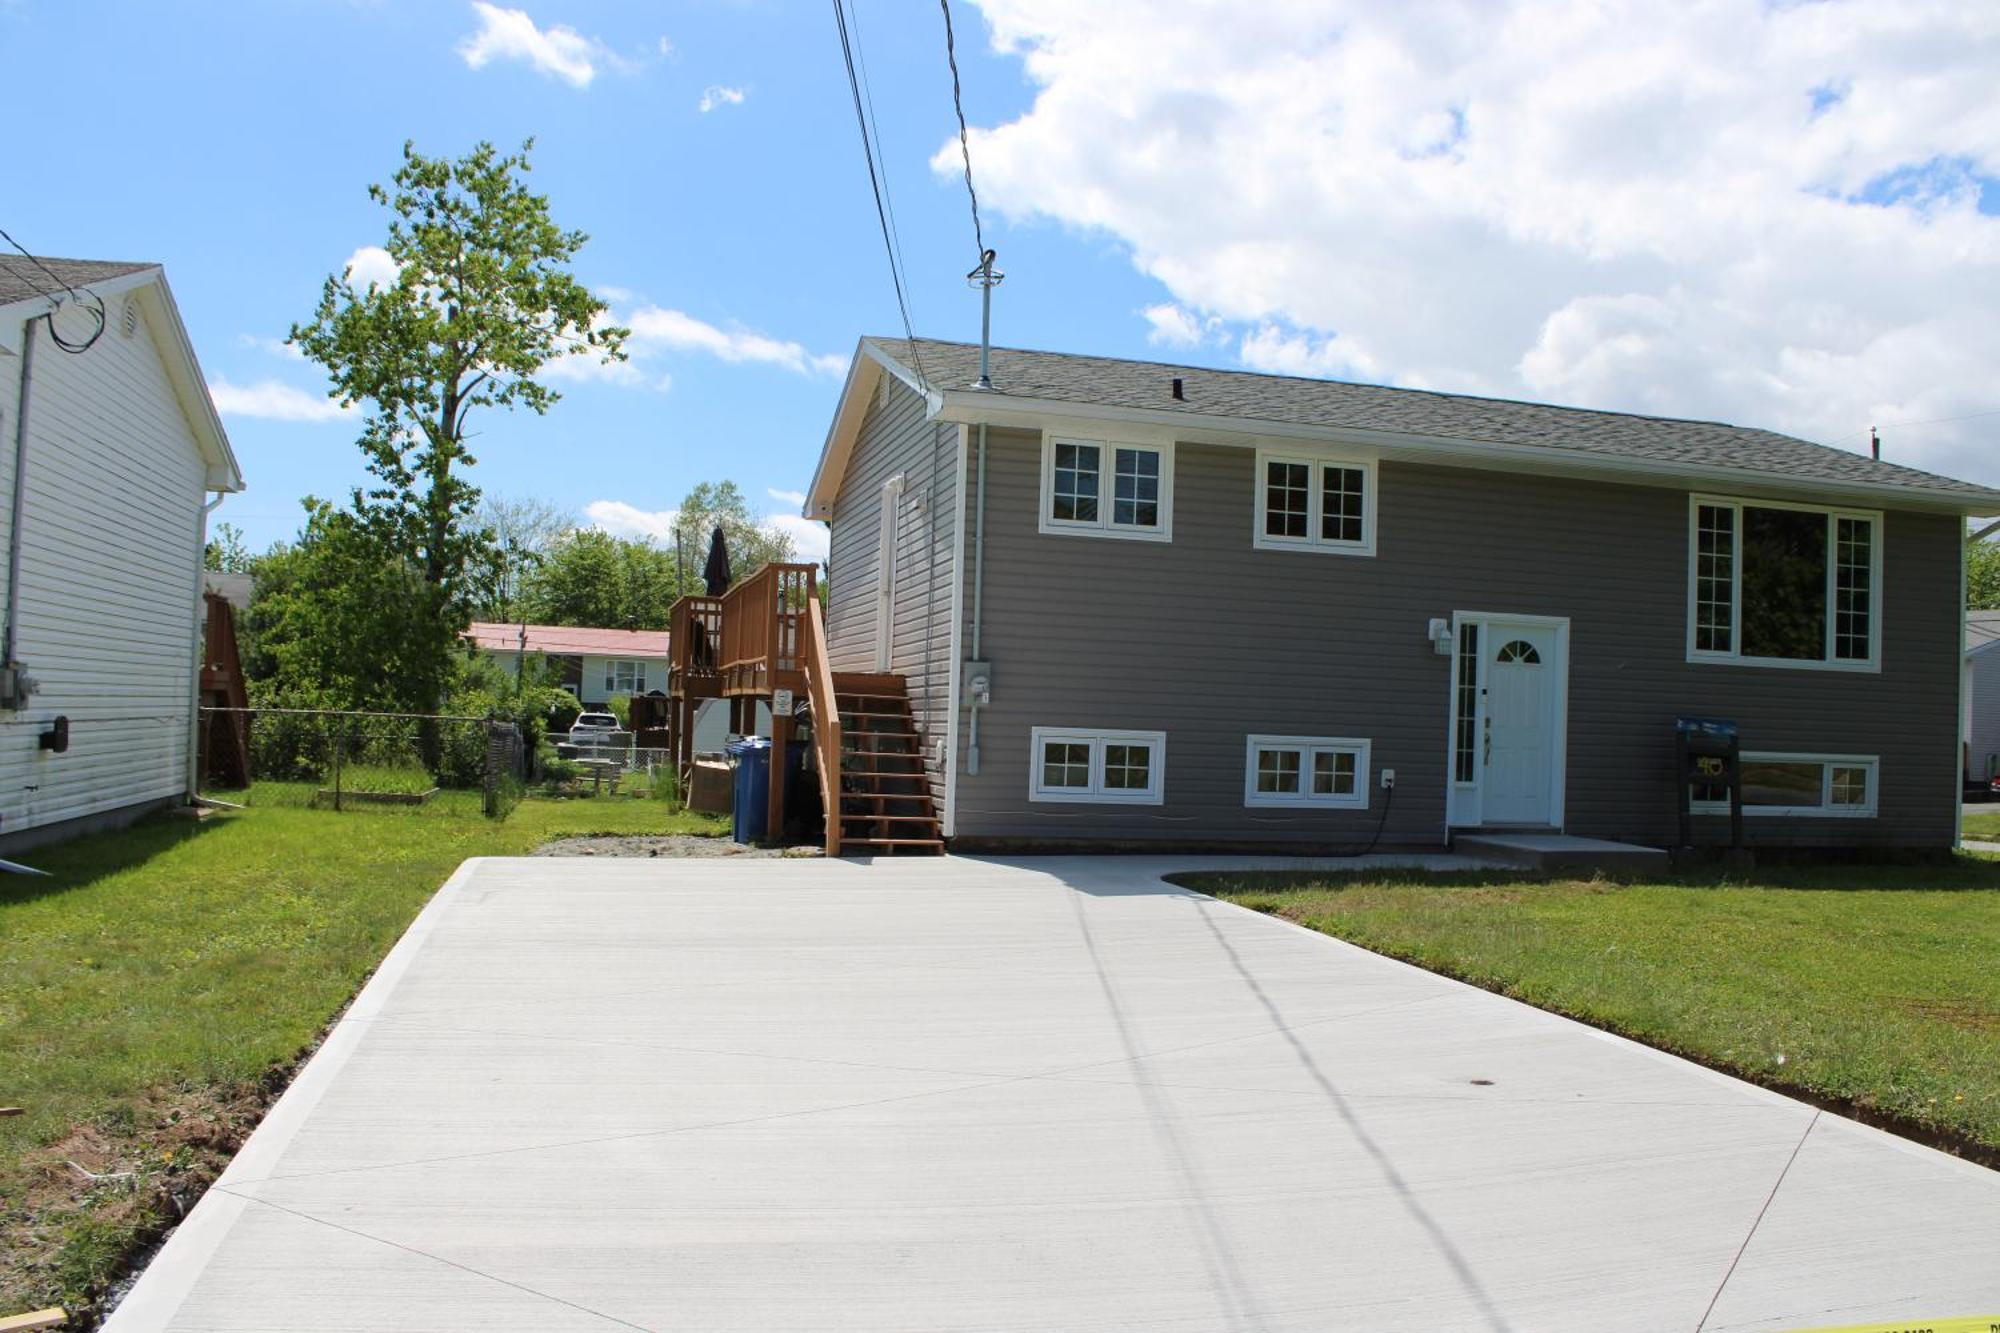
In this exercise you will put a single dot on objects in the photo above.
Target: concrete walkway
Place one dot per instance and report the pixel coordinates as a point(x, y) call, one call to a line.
point(931, 1095)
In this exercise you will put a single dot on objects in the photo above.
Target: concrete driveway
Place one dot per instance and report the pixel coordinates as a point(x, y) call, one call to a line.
point(929, 1095)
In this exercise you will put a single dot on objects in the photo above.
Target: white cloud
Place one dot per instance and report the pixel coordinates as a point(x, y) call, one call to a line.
point(1761, 212)
point(272, 346)
point(716, 95)
point(624, 520)
point(272, 400)
point(371, 266)
point(809, 538)
point(1174, 326)
point(510, 34)
point(796, 499)
point(655, 329)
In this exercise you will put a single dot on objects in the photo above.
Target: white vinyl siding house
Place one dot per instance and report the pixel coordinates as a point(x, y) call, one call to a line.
point(121, 450)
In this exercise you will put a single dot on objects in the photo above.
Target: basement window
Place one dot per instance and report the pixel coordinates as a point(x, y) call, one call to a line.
point(1806, 785)
point(1097, 767)
point(1325, 772)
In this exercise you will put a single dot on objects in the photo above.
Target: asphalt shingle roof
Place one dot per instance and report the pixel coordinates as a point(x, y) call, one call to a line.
point(22, 278)
point(1109, 382)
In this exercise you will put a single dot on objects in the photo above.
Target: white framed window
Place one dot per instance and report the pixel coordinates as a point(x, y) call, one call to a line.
point(1107, 488)
point(1323, 772)
point(622, 677)
point(1097, 767)
point(1776, 584)
point(1314, 502)
point(1836, 786)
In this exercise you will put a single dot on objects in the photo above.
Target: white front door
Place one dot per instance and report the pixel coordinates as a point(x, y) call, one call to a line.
point(1522, 744)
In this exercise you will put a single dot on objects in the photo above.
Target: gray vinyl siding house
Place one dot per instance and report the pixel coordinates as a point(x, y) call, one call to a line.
point(1499, 604)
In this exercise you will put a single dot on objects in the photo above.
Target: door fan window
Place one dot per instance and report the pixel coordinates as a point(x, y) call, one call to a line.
point(1520, 650)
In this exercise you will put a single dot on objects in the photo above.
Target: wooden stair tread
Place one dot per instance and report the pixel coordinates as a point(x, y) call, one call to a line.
point(872, 817)
point(846, 841)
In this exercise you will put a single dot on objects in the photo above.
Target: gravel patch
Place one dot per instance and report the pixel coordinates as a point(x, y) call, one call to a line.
point(671, 844)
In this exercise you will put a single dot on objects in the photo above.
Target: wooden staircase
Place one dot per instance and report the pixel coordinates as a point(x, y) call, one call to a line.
point(885, 802)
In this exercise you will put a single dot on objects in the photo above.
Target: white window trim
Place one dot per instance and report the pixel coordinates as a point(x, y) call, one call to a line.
point(1307, 746)
point(611, 665)
point(1153, 794)
point(1103, 526)
point(1826, 809)
point(1314, 459)
point(1735, 657)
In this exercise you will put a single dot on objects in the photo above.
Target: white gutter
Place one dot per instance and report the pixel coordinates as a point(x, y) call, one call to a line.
point(985, 406)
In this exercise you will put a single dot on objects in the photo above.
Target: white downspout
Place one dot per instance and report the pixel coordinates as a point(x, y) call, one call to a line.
point(13, 692)
point(978, 590)
point(201, 514)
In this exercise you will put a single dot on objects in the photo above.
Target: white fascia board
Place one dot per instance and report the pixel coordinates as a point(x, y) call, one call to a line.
point(974, 406)
point(863, 372)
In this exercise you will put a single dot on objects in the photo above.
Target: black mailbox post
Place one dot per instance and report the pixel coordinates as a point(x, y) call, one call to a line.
point(1707, 755)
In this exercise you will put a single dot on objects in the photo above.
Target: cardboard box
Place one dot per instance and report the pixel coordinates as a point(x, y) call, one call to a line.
point(713, 791)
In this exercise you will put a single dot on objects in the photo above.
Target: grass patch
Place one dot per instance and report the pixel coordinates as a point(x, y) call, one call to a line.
point(388, 779)
point(1984, 826)
point(162, 982)
point(1870, 987)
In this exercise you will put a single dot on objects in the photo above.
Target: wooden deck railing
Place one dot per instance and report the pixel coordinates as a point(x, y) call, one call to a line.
point(694, 647)
point(825, 720)
point(763, 620)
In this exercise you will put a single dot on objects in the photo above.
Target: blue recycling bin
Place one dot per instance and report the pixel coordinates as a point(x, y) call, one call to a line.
point(751, 756)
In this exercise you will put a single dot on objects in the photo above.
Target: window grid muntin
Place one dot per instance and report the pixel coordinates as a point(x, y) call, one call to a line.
point(1068, 770)
point(1343, 504)
point(1287, 499)
point(1853, 588)
point(1074, 487)
point(1278, 771)
point(1715, 579)
point(1128, 766)
point(1135, 484)
point(1334, 772)
point(1466, 751)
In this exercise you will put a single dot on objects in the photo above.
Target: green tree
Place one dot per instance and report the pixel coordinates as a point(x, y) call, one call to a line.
point(589, 577)
point(521, 532)
point(481, 303)
point(1982, 576)
point(750, 544)
point(225, 551)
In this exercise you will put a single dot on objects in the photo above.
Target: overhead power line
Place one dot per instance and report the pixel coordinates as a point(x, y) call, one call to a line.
point(964, 143)
point(94, 307)
point(1927, 421)
point(875, 183)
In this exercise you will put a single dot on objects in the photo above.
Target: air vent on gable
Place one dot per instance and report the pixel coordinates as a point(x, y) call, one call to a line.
point(129, 324)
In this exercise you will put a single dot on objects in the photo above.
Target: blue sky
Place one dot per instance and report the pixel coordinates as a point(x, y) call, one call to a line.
point(1782, 215)
point(234, 142)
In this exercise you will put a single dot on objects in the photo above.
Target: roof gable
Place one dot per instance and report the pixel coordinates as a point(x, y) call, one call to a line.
point(25, 294)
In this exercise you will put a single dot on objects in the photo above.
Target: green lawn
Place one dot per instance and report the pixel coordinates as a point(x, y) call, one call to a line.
point(1878, 986)
point(155, 987)
point(1985, 825)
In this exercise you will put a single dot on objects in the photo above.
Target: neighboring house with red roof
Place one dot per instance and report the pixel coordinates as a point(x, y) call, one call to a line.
point(595, 663)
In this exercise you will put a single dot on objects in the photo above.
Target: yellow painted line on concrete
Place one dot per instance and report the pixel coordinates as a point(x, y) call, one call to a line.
point(1982, 1323)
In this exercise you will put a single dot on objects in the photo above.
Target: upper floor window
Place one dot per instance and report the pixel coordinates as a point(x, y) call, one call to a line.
point(1778, 584)
point(621, 677)
point(1107, 488)
point(1311, 502)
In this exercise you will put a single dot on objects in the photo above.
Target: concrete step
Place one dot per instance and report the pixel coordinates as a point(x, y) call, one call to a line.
point(1559, 851)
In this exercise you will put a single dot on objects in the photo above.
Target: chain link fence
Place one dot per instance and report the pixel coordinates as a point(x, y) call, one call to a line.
point(409, 762)
point(599, 759)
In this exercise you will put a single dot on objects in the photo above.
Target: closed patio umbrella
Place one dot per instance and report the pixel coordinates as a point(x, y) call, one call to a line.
point(716, 572)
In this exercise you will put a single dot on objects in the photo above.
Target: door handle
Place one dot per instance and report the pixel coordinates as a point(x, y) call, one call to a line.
point(1486, 756)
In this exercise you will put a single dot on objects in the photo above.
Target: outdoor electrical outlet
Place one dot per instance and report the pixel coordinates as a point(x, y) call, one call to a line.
point(1388, 778)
